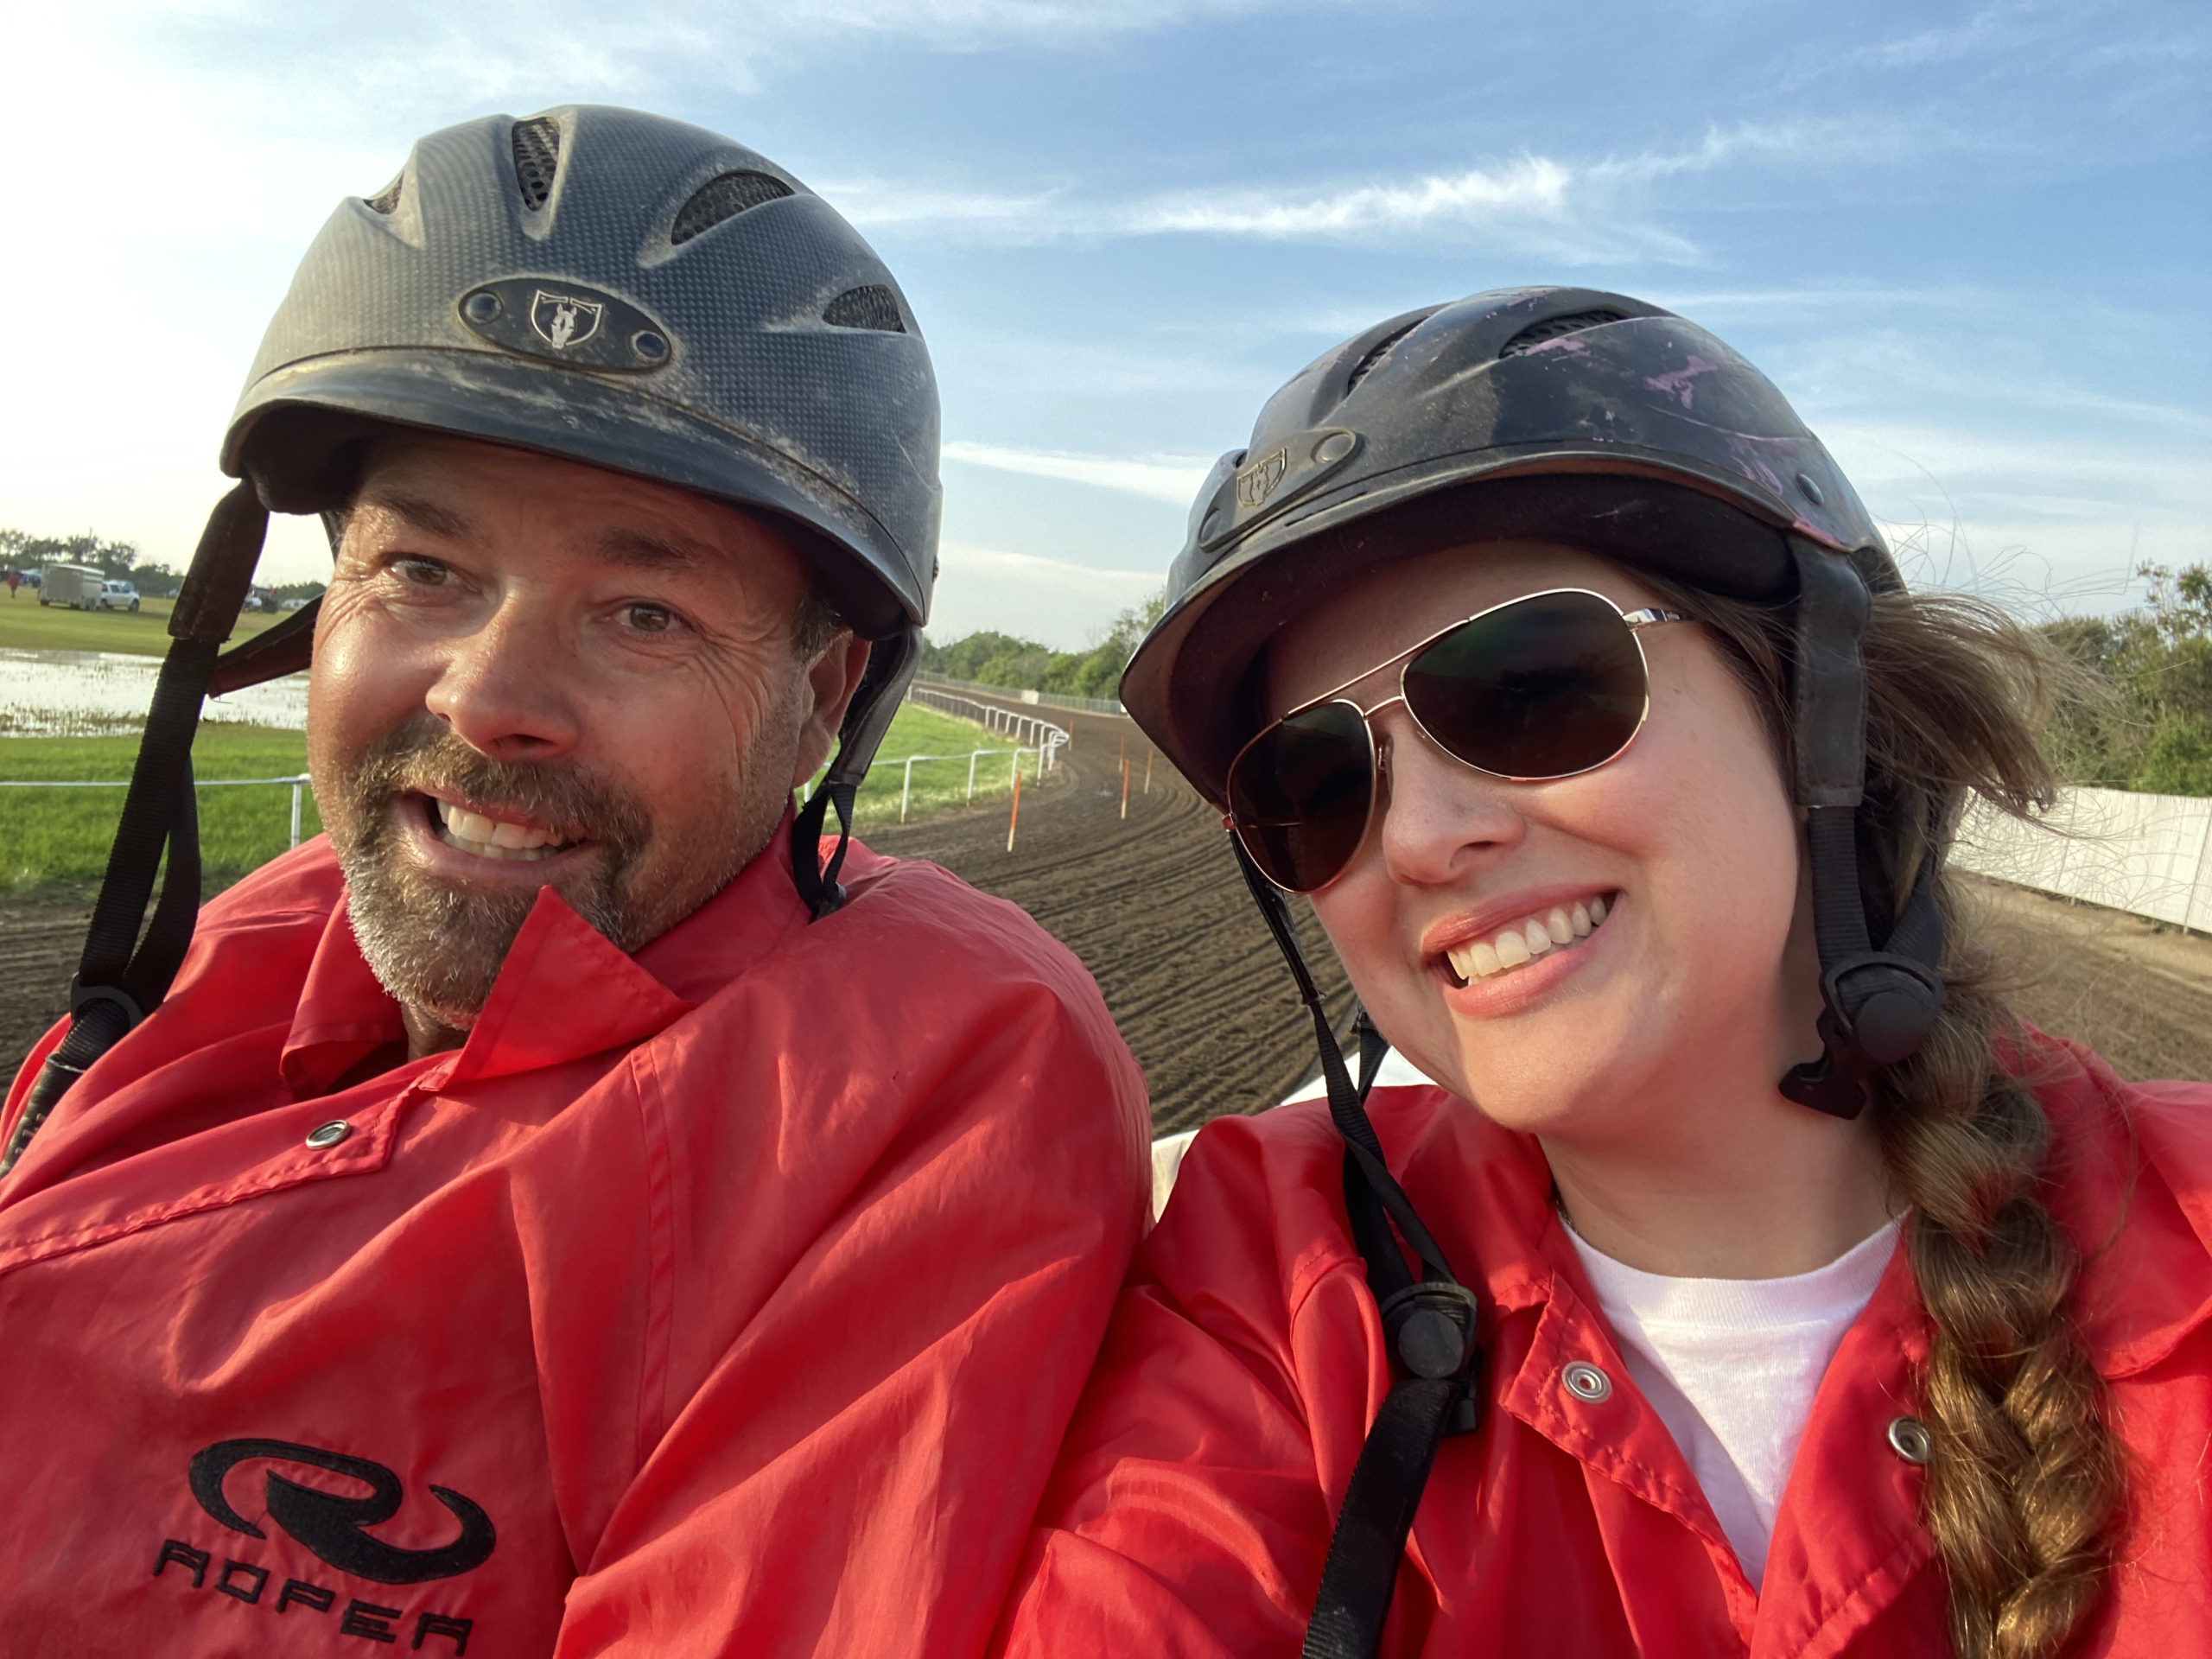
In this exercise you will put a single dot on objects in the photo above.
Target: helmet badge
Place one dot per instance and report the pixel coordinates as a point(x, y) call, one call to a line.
point(564, 319)
point(1257, 481)
point(576, 326)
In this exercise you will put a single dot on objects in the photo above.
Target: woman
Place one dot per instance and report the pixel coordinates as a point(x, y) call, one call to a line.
point(1749, 1281)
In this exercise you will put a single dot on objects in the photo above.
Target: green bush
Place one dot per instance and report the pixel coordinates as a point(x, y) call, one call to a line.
point(2155, 732)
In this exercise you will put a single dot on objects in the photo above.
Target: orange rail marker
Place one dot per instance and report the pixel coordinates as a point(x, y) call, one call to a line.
point(1015, 817)
point(1125, 785)
point(1147, 771)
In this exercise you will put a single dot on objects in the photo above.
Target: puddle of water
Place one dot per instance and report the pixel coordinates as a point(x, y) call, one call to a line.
point(100, 693)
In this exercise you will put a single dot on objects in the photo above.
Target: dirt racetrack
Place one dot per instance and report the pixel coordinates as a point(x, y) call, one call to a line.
point(1154, 908)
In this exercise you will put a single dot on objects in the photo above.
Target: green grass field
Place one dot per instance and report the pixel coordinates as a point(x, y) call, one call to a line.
point(56, 840)
point(27, 625)
point(937, 784)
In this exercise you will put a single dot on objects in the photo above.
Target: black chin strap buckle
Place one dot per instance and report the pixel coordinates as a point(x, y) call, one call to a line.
point(1429, 1327)
point(1879, 1009)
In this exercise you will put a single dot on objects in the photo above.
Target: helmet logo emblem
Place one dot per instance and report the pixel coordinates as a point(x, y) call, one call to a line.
point(564, 319)
point(1256, 483)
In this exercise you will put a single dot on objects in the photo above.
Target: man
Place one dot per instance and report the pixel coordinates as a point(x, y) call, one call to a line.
point(556, 1214)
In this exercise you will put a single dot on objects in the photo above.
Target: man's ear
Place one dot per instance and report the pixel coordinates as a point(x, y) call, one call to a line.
point(831, 680)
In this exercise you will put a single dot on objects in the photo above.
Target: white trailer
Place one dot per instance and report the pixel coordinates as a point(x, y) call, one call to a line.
point(79, 587)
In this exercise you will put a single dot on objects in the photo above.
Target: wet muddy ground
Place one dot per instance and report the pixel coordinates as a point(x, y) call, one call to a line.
point(1153, 905)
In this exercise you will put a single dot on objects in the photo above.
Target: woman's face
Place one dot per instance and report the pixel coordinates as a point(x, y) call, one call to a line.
point(1700, 980)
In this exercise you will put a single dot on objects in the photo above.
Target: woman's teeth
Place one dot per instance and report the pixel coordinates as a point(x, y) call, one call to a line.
point(493, 837)
point(1523, 942)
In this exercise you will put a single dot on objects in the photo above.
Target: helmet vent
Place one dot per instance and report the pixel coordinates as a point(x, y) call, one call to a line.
point(873, 307)
point(724, 197)
point(1377, 351)
point(537, 158)
point(1553, 327)
point(386, 200)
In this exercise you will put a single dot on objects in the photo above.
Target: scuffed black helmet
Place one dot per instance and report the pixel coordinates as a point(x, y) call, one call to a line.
point(626, 290)
point(1560, 413)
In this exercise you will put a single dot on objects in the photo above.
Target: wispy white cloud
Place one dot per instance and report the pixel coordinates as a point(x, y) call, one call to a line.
point(1532, 204)
point(1173, 478)
point(1577, 211)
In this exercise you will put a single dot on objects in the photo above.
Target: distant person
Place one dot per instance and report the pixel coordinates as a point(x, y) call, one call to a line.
point(555, 1213)
point(1749, 1280)
point(15, 581)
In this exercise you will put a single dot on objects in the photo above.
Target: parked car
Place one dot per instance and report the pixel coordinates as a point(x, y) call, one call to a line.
point(118, 596)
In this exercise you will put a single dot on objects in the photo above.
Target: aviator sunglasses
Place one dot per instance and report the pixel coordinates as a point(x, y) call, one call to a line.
point(1540, 688)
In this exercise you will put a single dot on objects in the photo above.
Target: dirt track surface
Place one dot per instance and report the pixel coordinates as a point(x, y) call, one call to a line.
point(1154, 908)
point(2138, 994)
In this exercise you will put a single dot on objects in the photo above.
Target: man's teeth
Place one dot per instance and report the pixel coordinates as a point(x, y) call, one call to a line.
point(1525, 940)
point(494, 837)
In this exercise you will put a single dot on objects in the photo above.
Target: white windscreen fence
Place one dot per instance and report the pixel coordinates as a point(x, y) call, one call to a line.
point(2148, 854)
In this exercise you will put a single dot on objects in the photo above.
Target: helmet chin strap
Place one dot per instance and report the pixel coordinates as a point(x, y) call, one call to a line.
point(890, 665)
point(1879, 1002)
point(122, 978)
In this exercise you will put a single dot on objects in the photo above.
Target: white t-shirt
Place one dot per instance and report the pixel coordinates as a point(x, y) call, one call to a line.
point(1731, 1365)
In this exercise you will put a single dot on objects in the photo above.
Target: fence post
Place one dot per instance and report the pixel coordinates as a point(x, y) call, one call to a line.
point(972, 753)
point(295, 811)
point(905, 788)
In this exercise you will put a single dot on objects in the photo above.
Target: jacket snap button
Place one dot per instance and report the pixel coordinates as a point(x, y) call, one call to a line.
point(330, 1134)
point(1909, 1438)
point(1586, 1382)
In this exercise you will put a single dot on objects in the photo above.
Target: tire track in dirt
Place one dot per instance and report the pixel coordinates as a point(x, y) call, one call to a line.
point(1157, 910)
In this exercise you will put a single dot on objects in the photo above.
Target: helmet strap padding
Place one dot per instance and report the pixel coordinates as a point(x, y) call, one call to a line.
point(890, 665)
point(1878, 1003)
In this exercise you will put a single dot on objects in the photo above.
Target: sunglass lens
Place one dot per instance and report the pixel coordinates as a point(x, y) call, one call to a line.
point(1544, 687)
point(1300, 793)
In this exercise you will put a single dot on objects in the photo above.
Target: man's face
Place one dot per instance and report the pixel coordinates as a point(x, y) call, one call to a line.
point(529, 672)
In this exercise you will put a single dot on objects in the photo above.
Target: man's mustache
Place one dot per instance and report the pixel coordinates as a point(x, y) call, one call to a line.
point(425, 756)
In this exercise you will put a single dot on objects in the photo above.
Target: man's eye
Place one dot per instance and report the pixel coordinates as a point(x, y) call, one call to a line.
point(649, 619)
point(423, 573)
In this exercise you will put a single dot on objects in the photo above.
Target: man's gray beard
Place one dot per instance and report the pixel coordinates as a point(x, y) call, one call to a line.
point(437, 946)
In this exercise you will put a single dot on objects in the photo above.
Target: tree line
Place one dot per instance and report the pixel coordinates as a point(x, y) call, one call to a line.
point(2153, 729)
point(990, 658)
point(116, 561)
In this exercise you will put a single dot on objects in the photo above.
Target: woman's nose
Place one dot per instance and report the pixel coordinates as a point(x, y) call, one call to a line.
point(1439, 815)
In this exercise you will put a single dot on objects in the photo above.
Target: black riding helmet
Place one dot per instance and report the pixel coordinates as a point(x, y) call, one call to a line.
point(626, 290)
point(1573, 416)
point(599, 284)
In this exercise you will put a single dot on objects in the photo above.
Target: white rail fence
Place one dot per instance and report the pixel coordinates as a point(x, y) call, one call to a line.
point(298, 785)
point(1034, 735)
point(1013, 757)
point(2148, 854)
point(1045, 699)
point(1031, 731)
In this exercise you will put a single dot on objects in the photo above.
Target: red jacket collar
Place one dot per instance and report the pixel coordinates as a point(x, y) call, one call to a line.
point(565, 990)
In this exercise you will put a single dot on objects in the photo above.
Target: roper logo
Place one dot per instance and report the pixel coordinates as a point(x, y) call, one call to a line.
point(1257, 481)
point(333, 1526)
point(564, 319)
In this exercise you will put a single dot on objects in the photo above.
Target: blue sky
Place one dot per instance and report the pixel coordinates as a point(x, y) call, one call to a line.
point(1970, 243)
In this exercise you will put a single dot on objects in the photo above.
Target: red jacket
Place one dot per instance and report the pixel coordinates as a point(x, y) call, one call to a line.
point(727, 1299)
point(1193, 1502)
